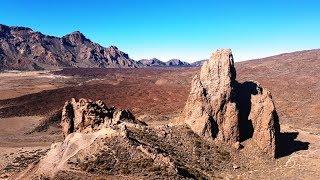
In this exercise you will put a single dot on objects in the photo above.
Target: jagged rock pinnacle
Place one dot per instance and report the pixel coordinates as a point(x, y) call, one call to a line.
point(220, 109)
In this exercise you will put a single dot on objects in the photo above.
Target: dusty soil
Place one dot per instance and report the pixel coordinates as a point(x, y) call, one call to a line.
point(134, 89)
point(16, 83)
point(17, 148)
point(156, 95)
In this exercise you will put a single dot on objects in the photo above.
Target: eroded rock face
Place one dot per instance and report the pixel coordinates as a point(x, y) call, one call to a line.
point(210, 110)
point(221, 109)
point(102, 142)
point(264, 120)
point(87, 116)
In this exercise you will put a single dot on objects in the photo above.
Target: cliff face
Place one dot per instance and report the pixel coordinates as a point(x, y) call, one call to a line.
point(24, 49)
point(221, 109)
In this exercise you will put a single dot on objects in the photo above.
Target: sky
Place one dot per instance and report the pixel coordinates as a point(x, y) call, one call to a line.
point(185, 29)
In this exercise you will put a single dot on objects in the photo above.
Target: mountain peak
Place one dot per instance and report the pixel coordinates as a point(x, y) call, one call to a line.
point(78, 33)
point(76, 37)
point(14, 28)
point(113, 47)
point(177, 62)
point(75, 34)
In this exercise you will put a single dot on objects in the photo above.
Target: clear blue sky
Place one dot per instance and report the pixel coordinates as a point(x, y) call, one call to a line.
point(184, 29)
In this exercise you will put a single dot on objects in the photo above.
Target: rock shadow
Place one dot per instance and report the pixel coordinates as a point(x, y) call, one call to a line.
point(70, 114)
point(243, 100)
point(286, 144)
point(214, 127)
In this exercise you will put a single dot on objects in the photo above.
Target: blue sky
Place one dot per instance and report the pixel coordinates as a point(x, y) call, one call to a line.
point(185, 29)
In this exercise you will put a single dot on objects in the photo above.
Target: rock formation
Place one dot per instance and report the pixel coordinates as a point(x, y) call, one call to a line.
point(263, 116)
point(88, 116)
point(105, 143)
point(221, 109)
point(210, 111)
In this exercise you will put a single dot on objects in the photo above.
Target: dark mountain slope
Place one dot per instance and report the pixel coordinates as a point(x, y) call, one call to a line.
point(22, 48)
point(154, 62)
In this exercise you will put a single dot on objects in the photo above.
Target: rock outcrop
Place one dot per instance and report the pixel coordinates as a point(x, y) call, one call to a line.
point(264, 119)
point(104, 143)
point(221, 109)
point(88, 116)
point(210, 111)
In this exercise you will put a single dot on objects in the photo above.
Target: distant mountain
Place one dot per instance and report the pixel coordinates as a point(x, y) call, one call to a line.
point(177, 62)
point(22, 48)
point(198, 63)
point(154, 62)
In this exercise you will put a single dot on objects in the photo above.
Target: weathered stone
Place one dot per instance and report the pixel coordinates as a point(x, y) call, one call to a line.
point(264, 121)
point(87, 116)
point(121, 116)
point(210, 110)
point(221, 109)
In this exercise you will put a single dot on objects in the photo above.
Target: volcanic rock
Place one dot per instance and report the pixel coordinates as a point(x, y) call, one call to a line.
point(104, 143)
point(221, 109)
point(210, 110)
point(262, 121)
point(88, 116)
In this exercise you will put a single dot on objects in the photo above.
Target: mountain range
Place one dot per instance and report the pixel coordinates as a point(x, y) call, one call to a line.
point(154, 62)
point(21, 48)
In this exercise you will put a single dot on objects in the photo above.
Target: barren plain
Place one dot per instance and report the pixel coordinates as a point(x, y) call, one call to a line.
point(156, 95)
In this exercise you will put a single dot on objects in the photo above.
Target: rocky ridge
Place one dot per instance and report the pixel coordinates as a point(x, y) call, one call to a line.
point(177, 63)
point(88, 116)
point(225, 111)
point(102, 142)
point(22, 48)
point(198, 63)
point(154, 62)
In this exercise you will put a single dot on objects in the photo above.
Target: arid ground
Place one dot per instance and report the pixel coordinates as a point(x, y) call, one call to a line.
point(156, 95)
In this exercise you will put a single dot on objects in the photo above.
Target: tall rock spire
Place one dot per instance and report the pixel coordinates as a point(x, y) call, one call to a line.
point(221, 109)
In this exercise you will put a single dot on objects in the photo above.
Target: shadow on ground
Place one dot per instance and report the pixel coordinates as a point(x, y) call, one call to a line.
point(288, 145)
